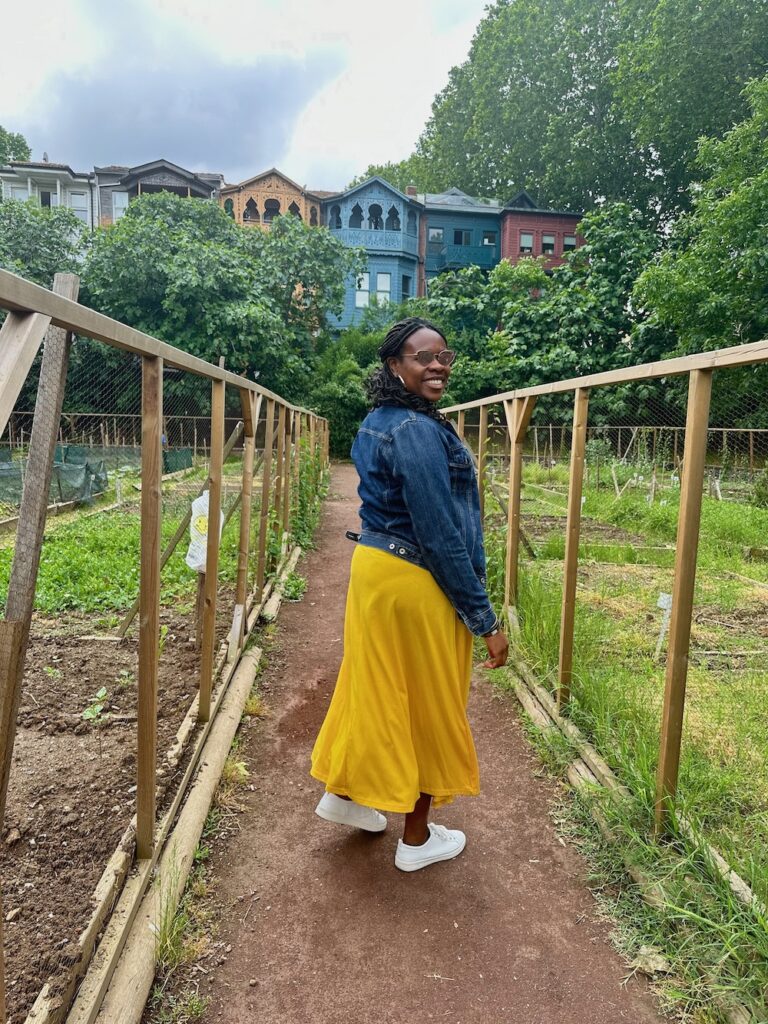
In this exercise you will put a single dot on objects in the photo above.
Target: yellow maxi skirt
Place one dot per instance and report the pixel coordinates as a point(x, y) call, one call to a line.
point(397, 723)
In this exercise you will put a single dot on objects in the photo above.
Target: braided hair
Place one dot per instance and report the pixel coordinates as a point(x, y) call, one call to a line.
point(384, 387)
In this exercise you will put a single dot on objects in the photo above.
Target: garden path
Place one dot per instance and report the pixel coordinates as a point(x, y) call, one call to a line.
point(319, 927)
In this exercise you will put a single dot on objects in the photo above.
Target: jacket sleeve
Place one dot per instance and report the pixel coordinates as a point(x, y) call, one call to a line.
point(420, 465)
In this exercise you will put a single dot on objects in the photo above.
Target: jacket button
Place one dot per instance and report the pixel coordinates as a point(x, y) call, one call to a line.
point(401, 551)
point(391, 547)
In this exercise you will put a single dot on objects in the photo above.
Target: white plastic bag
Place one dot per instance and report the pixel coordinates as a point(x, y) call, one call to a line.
point(198, 533)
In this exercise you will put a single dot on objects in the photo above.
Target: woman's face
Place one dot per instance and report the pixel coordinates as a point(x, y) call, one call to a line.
point(427, 381)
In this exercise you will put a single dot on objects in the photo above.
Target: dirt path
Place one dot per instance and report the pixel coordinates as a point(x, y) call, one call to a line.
point(506, 933)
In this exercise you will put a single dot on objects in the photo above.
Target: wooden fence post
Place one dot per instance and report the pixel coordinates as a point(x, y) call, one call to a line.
point(689, 521)
point(212, 550)
point(568, 614)
point(460, 424)
point(149, 600)
point(518, 413)
point(289, 455)
point(251, 405)
point(482, 456)
point(266, 486)
point(277, 497)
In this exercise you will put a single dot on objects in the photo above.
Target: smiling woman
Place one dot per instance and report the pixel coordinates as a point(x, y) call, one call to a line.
point(396, 735)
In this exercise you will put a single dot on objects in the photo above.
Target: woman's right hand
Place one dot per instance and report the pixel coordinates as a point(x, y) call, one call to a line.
point(498, 649)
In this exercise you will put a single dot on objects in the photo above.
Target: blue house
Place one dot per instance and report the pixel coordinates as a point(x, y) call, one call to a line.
point(382, 220)
point(461, 231)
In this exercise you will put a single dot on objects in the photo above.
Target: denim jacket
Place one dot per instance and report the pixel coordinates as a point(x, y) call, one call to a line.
point(420, 502)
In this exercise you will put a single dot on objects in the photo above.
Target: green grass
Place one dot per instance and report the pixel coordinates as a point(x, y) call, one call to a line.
point(617, 699)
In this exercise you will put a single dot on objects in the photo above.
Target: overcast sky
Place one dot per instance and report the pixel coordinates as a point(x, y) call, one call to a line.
point(318, 88)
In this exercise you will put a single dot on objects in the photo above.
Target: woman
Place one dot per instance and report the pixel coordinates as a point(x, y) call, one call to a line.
point(396, 735)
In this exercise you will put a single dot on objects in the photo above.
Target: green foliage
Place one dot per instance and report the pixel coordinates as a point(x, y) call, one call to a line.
point(414, 170)
point(760, 490)
point(38, 243)
point(295, 587)
point(183, 271)
point(94, 711)
point(13, 146)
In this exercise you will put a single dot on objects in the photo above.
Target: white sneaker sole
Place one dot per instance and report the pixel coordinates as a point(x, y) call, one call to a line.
point(321, 812)
point(417, 865)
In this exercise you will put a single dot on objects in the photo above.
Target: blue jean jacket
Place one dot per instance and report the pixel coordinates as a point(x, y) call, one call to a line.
point(420, 502)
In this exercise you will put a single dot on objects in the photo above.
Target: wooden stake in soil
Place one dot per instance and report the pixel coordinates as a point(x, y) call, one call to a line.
point(212, 549)
point(287, 467)
point(691, 486)
point(149, 599)
point(278, 495)
point(573, 526)
point(482, 456)
point(518, 413)
point(266, 473)
point(251, 410)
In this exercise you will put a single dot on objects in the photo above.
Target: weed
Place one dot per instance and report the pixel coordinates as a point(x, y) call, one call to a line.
point(94, 714)
point(294, 587)
point(51, 672)
point(254, 707)
point(125, 678)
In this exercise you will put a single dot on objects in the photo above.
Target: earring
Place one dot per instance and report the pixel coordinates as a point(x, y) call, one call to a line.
point(400, 379)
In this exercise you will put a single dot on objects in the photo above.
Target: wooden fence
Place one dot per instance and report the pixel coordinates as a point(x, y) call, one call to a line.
point(518, 407)
point(295, 440)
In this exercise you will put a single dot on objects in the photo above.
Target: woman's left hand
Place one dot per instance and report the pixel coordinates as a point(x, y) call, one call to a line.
point(498, 649)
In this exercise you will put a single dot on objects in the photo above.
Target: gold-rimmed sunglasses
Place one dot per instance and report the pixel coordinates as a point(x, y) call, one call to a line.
point(444, 357)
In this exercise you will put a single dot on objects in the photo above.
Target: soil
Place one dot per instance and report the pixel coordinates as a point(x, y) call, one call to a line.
point(540, 527)
point(72, 787)
point(317, 925)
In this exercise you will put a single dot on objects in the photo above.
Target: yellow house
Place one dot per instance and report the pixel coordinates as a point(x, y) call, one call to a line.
point(257, 201)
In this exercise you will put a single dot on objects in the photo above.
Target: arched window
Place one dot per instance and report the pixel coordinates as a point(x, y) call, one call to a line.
point(251, 212)
point(356, 217)
point(293, 209)
point(271, 210)
point(411, 222)
point(335, 218)
point(229, 208)
point(313, 216)
point(393, 219)
point(375, 217)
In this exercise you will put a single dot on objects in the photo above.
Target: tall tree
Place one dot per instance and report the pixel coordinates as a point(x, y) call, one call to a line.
point(38, 243)
point(13, 146)
point(683, 65)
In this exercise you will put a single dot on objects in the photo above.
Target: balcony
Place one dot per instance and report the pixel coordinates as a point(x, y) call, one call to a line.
point(452, 257)
point(378, 241)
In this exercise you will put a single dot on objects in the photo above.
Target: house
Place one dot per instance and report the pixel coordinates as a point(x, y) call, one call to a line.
point(51, 185)
point(117, 185)
point(461, 231)
point(258, 200)
point(377, 217)
point(529, 230)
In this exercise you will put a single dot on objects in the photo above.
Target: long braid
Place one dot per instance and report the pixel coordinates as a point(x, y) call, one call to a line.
point(384, 387)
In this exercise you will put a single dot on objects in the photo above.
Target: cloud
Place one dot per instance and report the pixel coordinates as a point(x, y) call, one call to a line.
point(155, 90)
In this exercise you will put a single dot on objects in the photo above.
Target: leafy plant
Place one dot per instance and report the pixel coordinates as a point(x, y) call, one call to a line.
point(294, 587)
point(94, 713)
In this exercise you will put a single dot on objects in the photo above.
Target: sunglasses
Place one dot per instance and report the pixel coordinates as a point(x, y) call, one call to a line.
point(444, 357)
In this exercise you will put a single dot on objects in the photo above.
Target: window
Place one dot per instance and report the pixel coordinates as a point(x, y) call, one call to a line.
point(375, 217)
point(251, 212)
point(79, 204)
point(461, 237)
point(294, 210)
point(48, 198)
point(411, 224)
point(435, 235)
point(335, 224)
point(393, 219)
point(19, 192)
point(406, 289)
point(569, 243)
point(229, 208)
point(489, 238)
point(361, 294)
point(356, 217)
point(313, 216)
point(271, 210)
point(119, 204)
point(383, 287)
point(526, 242)
point(548, 245)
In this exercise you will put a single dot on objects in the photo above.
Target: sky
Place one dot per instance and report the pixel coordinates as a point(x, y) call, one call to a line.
point(318, 88)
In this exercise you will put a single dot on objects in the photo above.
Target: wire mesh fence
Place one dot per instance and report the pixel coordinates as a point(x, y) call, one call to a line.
point(95, 666)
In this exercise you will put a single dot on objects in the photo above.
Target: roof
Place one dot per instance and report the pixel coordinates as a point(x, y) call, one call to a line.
point(457, 201)
point(323, 194)
point(523, 202)
point(45, 165)
point(264, 174)
point(381, 181)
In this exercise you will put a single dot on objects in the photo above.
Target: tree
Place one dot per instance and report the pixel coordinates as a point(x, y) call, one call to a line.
point(13, 146)
point(709, 288)
point(183, 271)
point(682, 69)
point(37, 243)
point(414, 170)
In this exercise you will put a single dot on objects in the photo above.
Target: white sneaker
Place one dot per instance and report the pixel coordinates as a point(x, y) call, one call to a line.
point(443, 844)
point(347, 812)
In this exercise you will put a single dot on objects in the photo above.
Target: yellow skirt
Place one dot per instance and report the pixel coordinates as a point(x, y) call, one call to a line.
point(397, 723)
